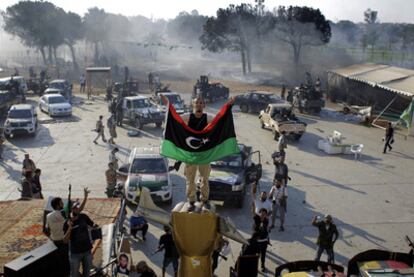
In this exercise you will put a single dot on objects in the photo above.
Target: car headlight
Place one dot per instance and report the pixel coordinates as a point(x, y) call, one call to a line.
point(165, 188)
point(237, 187)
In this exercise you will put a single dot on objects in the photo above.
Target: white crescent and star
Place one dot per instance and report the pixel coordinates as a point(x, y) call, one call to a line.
point(201, 142)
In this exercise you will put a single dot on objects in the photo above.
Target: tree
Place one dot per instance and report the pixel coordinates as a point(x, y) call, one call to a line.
point(372, 31)
point(349, 29)
point(233, 29)
point(186, 28)
point(300, 27)
point(96, 27)
point(23, 21)
point(73, 30)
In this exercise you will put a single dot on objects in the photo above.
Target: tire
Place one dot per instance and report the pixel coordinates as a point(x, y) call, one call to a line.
point(244, 108)
point(262, 124)
point(138, 123)
point(275, 135)
point(239, 202)
point(297, 137)
point(158, 124)
point(169, 202)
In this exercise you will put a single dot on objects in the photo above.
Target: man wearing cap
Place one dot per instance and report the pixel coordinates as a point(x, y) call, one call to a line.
point(76, 231)
point(328, 234)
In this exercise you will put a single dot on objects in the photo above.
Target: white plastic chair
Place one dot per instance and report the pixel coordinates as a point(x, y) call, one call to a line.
point(357, 150)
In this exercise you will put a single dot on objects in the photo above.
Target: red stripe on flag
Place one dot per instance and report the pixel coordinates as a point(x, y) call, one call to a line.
point(208, 128)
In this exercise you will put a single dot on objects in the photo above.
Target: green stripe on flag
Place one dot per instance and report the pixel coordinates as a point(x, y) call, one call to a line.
point(226, 148)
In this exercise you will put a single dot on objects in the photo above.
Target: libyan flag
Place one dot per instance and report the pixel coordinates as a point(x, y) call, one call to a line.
point(214, 142)
point(407, 115)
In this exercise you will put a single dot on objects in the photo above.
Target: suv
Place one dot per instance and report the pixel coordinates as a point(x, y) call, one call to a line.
point(147, 168)
point(140, 111)
point(255, 101)
point(230, 175)
point(280, 117)
point(21, 119)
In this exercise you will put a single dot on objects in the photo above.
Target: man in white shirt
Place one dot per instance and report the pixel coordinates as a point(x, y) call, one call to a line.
point(278, 193)
point(261, 203)
point(282, 143)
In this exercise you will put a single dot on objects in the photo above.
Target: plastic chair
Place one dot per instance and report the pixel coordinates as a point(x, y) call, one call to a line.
point(357, 150)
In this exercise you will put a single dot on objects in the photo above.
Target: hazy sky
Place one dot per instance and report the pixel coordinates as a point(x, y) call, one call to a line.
point(389, 10)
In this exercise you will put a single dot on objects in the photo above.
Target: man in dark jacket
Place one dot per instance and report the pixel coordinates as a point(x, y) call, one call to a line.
point(328, 234)
point(389, 137)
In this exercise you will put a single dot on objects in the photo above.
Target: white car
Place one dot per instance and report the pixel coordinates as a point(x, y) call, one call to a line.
point(21, 119)
point(147, 168)
point(54, 105)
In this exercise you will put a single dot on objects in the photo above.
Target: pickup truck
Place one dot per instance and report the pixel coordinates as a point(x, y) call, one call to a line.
point(231, 175)
point(139, 110)
point(279, 117)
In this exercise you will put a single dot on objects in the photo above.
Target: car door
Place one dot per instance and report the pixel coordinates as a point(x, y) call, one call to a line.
point(254, 98)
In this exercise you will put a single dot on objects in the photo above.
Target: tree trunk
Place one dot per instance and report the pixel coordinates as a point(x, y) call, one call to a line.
point(243, 60)
point(42, 51)
point(249, 61)
point(72, 52)
point(55, 55)
point(50, 58)
point(296, 57)
point(96, 57)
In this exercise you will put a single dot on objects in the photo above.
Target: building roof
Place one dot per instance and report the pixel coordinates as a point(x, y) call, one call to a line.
point(396, 79)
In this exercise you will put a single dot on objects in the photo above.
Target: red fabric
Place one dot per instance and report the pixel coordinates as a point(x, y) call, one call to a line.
point(208, 128)
point(396, 265)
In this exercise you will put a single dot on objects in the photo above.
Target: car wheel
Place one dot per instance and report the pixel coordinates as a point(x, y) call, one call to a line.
point(275, 135)
point(262, 124)
point(244, 108)
point(158, 124)
point(239, 202)
point(138, 123)
point(169, 201)
point(297, 137)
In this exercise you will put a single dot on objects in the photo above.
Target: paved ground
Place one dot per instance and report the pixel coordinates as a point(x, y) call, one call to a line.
point(370, 199)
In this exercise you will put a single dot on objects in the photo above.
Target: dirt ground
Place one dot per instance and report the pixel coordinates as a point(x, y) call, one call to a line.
point(370, 199)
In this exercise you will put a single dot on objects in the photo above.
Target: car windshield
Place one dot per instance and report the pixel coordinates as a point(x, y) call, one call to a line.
point(56, 100)
point(233, 161)
point(20, 114)
point(57, 85)
point(174, 99)
point(273, 98)
point(141, 103)
point(149, 166)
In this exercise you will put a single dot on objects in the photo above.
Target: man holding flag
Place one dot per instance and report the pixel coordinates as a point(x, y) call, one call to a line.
point(197, 139)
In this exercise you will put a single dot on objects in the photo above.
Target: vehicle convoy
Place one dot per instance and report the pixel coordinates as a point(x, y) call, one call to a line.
point(230, 176)
point(255, 101)
point(55, 105)
point(308, 97)
point(21, 119)
point(139, 111)
point(147, 168)
point(279, 117)
point(210, 91)
point(174, 98)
